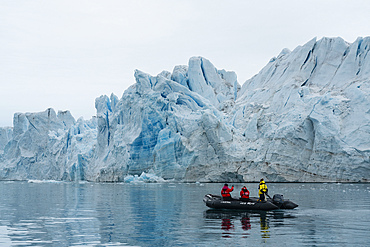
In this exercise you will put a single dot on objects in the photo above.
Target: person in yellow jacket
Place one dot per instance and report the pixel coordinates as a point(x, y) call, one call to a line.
point(262, 190)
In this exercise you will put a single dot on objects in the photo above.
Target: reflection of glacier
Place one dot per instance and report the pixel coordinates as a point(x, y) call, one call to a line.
point(48, 213)
point(304, 117)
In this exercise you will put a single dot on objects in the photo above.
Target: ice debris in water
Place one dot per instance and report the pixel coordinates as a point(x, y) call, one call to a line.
point(36, 181)
point(144, 178)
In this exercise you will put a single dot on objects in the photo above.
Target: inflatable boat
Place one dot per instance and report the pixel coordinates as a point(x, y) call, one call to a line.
point(277, 202)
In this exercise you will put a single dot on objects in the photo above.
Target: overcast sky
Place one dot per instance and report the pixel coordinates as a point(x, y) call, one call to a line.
point(65, 53)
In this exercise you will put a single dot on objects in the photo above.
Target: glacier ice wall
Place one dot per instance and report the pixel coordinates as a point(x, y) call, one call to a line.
point(304, 117)
point(306, 114)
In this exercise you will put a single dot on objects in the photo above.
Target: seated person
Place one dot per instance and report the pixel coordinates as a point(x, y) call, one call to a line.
point(244, 194)
point(225, 192)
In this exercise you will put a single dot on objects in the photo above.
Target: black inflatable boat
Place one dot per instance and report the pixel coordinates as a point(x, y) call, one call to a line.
point(277, 202)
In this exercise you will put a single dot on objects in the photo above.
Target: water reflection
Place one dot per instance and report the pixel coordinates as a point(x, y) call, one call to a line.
point(264, 222)
point(248, 220)
point(89, 214)
point(246, 223)
point(226, 226)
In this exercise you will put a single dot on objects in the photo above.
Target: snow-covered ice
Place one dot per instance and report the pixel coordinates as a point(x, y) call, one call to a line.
point(304, 117)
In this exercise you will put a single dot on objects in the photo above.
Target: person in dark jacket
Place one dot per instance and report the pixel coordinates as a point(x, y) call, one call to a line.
point(225, 192)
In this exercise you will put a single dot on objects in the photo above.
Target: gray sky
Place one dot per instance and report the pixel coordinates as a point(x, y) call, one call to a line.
point(65, 53)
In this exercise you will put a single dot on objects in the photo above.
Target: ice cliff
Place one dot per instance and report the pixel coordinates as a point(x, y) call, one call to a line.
point(305, 117)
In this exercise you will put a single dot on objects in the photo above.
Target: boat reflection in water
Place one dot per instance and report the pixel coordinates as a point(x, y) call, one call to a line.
point(249, 220)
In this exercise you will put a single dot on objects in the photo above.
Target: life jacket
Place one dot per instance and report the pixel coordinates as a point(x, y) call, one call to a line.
point(262, 188)
point(225, 191)
point(244, 193)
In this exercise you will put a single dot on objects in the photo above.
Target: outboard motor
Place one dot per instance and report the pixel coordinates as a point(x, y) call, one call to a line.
point(278, 200)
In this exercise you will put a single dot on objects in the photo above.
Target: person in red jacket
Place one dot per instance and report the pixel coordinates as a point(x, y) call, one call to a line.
point(244, 194)
point(225, 192)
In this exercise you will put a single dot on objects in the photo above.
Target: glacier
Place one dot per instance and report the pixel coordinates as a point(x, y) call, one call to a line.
point(305, 117)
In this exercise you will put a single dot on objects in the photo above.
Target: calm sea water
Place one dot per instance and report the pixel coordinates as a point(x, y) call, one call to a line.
point(172, 214)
